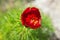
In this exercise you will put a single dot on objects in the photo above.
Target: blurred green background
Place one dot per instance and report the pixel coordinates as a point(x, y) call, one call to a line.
point(11, 27)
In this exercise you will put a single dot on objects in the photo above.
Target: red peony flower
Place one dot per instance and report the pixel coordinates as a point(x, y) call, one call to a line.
point(31, 18)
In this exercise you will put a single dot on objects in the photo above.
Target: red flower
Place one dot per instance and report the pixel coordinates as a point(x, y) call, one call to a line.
point(31, 18)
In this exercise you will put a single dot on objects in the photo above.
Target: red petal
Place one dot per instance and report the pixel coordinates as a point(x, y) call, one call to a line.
point(36, 12)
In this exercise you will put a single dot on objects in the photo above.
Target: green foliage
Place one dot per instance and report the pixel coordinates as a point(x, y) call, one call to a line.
point(12, 29)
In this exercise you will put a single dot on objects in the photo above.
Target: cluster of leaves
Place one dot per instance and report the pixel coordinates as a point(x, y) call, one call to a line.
point(12, 29)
